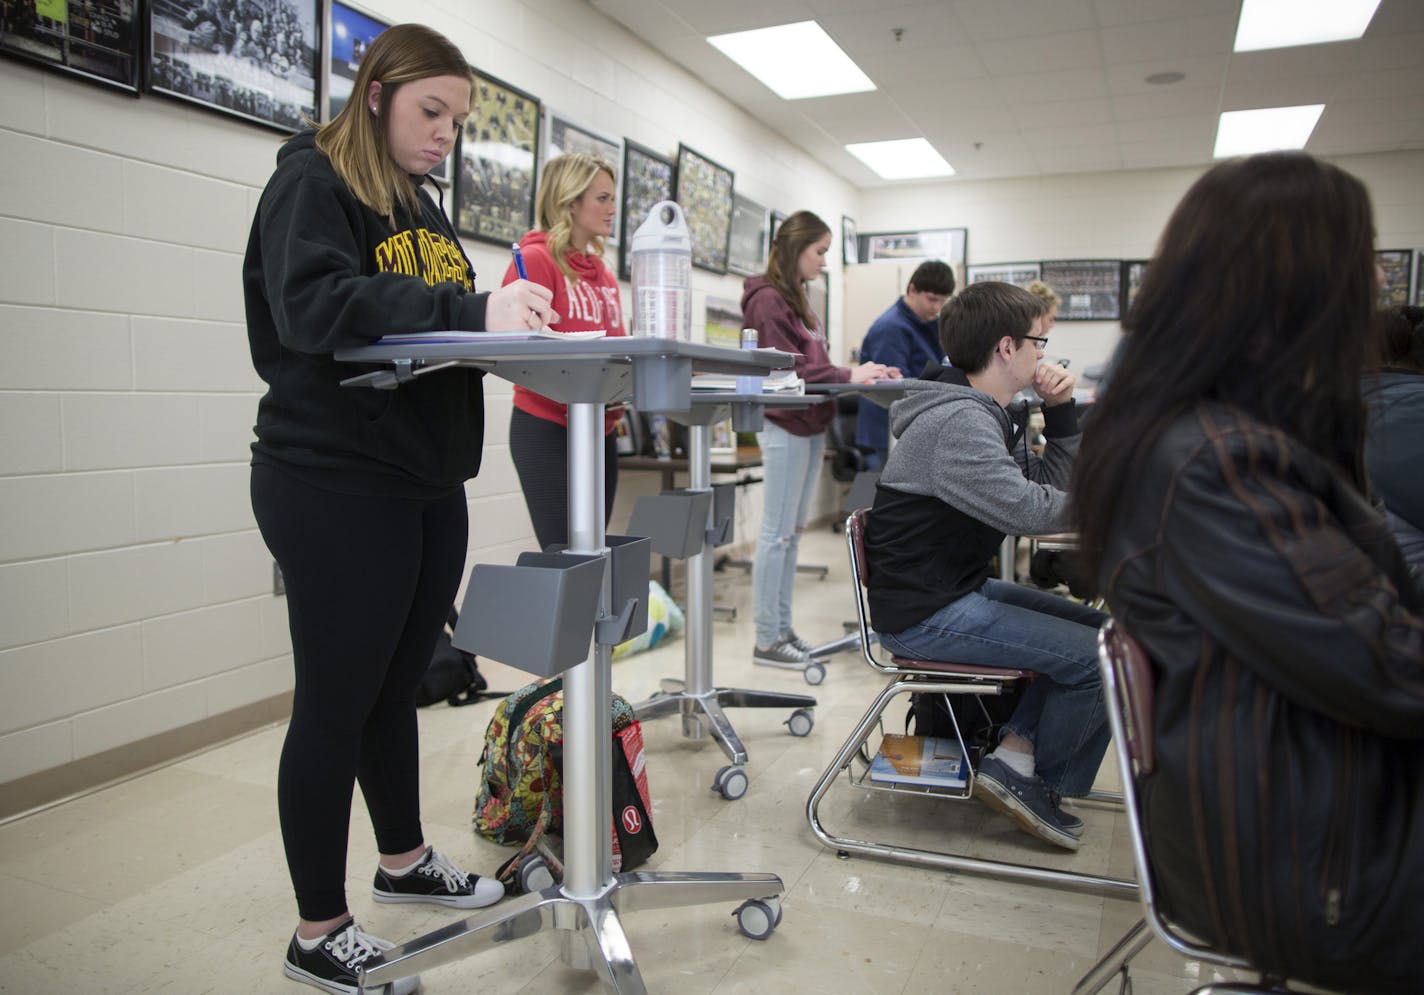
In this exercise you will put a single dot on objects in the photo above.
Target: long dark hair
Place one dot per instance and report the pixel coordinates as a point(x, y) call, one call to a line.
point(798, 231)
point(1260, 295)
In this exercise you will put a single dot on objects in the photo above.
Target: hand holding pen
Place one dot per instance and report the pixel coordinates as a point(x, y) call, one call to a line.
point(520, 306)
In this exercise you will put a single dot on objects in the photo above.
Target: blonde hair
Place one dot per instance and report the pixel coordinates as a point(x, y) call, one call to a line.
point(1044, 292)
point(356, 140)
point(782, 270)
point(566, 178)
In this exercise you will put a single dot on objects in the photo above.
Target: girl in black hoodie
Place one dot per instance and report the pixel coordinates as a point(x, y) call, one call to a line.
point(359, 494)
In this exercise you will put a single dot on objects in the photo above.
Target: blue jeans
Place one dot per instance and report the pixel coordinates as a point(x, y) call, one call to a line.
point(1007, 625)
point(790, 466)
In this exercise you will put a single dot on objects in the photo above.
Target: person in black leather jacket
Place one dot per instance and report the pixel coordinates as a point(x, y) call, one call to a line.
point(1222, 508)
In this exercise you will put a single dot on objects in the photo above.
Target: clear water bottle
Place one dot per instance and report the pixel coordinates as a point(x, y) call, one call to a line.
point(661, 254)
point(749, 384)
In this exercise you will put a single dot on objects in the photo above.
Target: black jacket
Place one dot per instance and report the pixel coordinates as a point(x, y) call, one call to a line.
point(323, 271)
point(1286, 814)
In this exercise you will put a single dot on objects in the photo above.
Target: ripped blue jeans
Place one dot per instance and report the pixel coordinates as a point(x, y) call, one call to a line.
point(790, 466)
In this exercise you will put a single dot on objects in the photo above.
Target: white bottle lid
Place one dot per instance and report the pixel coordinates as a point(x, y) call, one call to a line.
point(664, 230)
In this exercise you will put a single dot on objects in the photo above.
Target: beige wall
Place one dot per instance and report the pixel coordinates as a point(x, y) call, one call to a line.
point(135, 592)
point(1104, 216)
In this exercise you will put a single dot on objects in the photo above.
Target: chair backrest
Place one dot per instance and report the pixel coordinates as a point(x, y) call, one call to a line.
point(1128, 693)
point(847, 459)
point(860, 577)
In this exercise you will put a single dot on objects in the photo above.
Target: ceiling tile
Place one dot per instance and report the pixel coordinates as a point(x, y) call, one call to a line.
point(1207, 70)
point(1061, 112)
point(1073, 84)
point(1177, 100)
point(986, 20)
point(1043, 53)
point(1111, 13)
point(1180, 38)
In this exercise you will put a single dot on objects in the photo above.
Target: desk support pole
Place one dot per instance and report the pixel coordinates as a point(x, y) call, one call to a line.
point(699, 581)
point(588, 726)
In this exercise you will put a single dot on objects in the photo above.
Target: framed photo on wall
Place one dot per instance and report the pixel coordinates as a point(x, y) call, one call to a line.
point(349, 32)
point(724, 322)
point(647, 180)
point(948, 245)
point(1089, 289)
point(263, 68)
point(704, 190)
point(1019, 274)
point(771, 228)
point(96, 39)
point(1419, 276)
point(1133, 270)
point(1398, 266)
point(563, 135)
point(850, 244)
point(746, 248)
point(495, 163)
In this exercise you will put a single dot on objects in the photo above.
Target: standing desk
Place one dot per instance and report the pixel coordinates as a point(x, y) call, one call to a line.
point(695, 697)
point(586, 905)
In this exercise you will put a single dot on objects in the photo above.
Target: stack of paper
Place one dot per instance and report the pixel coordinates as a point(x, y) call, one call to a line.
point(779, 381)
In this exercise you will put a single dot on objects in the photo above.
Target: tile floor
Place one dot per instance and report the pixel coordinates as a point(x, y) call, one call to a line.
point(174, 881)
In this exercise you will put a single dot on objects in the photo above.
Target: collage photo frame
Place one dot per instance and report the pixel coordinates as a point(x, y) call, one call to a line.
point(495, 163)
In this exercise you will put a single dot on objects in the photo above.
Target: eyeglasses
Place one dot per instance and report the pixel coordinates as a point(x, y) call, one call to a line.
point(1042, 340)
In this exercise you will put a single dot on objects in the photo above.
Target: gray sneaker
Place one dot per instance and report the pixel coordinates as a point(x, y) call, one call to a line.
point(1023, 799)
point(792, 639)
point(782, 654)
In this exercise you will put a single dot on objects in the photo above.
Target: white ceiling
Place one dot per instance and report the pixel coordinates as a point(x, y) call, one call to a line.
point(1026, 87)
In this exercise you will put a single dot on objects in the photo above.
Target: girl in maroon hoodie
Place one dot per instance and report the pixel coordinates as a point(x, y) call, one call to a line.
point(775, 304)
point(577, 202)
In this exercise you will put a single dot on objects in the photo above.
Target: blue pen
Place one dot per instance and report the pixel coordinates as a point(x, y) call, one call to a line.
point(518, 261)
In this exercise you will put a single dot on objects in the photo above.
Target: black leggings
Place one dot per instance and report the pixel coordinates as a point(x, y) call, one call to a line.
point(540, 449)
point(369, 583)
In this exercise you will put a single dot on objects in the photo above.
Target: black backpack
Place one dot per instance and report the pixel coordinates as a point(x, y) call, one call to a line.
point(980, 716)
point(452, 676)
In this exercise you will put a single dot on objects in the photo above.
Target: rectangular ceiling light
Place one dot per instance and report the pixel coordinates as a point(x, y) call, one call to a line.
point(1265, 130)
point(795, 61)
point(1283, 23)
point(902, 159)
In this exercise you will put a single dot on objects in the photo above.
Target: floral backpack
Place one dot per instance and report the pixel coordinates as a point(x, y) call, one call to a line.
point(521, 796)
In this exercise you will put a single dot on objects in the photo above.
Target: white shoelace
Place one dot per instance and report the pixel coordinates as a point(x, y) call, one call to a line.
point(439, 866)
point(353, 946)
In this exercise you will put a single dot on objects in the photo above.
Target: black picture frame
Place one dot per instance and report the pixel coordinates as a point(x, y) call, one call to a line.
point(1133, 270)
point(495, 163)
point(647, 180)
point(563, 134)
point(948, 245)
point(1398, 266)
point(1019, 274)
point(267, 72)
point(1419, 277)
point(704, 192)
point(105, 51)
point(850, 244)
point(349, 31)
point(773, 225)
point(747, 242)
point(1088, 289)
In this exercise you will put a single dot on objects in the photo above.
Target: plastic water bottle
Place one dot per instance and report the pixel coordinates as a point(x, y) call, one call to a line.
point(661, 254)
point(747, 384)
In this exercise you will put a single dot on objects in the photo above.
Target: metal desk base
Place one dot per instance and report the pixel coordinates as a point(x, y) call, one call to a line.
point(587, 904)
point(702, 711)
point(594, 921)
point(694, 697)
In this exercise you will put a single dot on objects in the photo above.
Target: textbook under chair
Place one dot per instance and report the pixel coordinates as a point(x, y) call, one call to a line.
point(1128, 690)
point(925, 677)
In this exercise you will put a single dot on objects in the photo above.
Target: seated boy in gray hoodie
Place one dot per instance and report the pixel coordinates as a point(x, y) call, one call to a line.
point(959, 478)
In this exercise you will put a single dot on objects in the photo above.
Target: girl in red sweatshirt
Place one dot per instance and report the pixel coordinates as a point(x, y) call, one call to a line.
point(576, 205)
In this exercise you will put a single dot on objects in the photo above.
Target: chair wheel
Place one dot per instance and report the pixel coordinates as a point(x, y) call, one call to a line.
point(731, 782)
point(815, 672)
point(757, 917)
point(800, 722)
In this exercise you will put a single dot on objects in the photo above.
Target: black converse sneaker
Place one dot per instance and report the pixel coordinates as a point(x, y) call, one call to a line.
point(333, 965)
point(439, 882)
